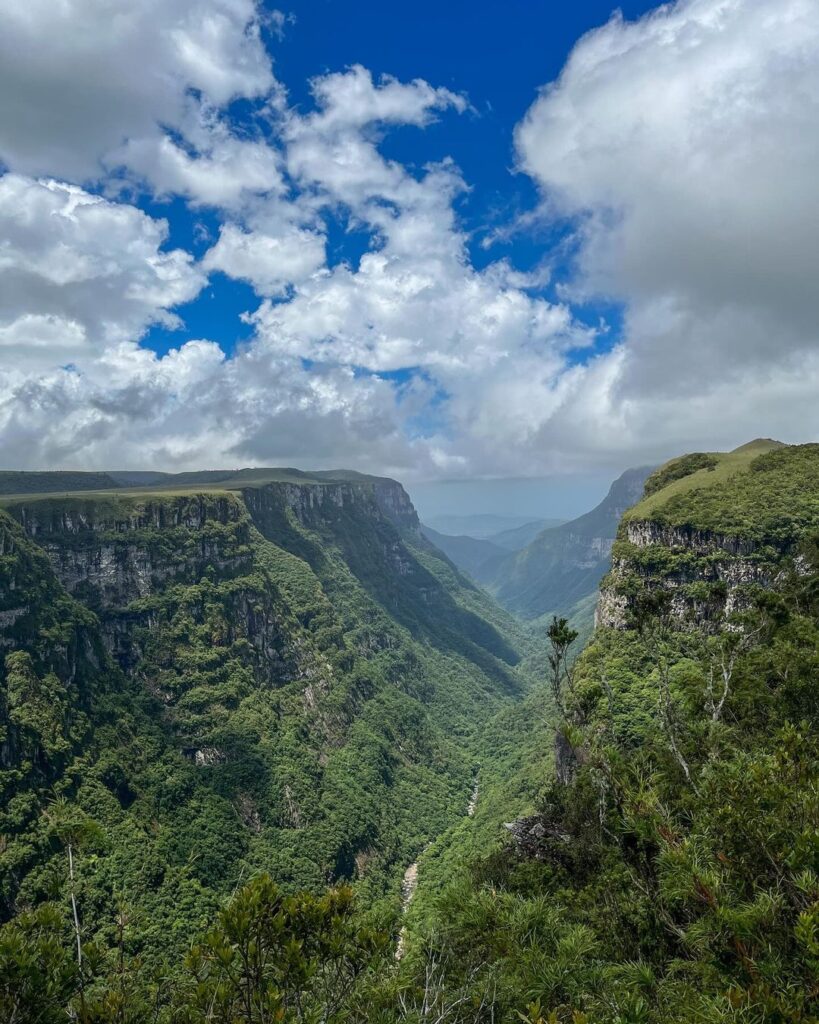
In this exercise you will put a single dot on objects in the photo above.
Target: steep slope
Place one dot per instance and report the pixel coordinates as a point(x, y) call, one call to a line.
point(284, 675)
point(668, 872)
point(563, 566)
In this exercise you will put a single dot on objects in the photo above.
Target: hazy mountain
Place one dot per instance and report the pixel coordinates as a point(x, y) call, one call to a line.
point(468, 553)
point(563, 565)
point(481, 526)
point(520, 536)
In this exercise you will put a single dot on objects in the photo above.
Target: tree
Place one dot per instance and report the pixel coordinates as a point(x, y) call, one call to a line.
point(561, 637)
point(75, 830)
point(278, 958)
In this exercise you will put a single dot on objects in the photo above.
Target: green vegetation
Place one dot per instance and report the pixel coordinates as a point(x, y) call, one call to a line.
point(284, 679)
point(309, 698)
point(679, 468)
point(670, 872)
point(667, 482)
point(771, 500)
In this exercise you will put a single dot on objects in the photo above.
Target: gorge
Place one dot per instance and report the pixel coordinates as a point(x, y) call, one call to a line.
point(230, 695)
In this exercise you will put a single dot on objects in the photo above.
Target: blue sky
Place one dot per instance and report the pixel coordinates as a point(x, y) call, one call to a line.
point(521, 247)
point(497, 55)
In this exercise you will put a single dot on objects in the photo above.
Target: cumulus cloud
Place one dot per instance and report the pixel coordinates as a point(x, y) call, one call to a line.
point(270, 262)
point(335, 148)
point(80, 79)
point(79, 273)
point(195, 407)
point(224, 171)
point(686, 144)
point(681, 148)
point(316, 382)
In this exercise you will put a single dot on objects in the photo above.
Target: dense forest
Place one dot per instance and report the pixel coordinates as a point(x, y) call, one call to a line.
point(232, 717)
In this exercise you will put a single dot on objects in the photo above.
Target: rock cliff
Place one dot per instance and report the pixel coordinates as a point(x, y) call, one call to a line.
point(711, 539)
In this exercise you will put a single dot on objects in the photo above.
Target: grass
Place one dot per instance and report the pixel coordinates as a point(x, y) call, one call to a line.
point(115, 494)
point(728, 464)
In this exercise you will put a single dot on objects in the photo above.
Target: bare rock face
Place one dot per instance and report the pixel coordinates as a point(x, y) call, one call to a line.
point(531, 836)
point(395, 504)
point(206, 757)
point(611, 610)
point(313, 504)
point(708, 575)
point(644, 533)
point(112, 553)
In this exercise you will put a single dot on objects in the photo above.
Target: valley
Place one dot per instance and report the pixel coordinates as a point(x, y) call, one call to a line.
point(282, 674)
point(548, 568)
point(218, 683)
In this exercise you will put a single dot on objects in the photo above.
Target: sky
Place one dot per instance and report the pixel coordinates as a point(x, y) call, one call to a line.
point(499, 251)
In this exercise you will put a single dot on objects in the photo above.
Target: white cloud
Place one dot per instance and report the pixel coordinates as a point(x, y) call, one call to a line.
point(225, 172)
point(194, 407)
point(687, 145)
point(79, 79)
point(79, 273)
point(682, 146)
point(270, 262)
point(335, 148)
point(414, 305)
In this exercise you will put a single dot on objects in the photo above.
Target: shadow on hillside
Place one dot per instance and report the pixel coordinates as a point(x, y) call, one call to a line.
point(391, 575)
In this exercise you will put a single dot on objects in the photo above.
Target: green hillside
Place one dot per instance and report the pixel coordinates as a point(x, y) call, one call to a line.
point(520, 536)
point(282, 676)
point(667, 872)
point(698, 470)
point(224, 702)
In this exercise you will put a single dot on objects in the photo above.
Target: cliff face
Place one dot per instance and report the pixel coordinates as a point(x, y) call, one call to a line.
point(280, 673)
point(712, 539)
point(111, 552)
point(117, 555)
point(707, 576)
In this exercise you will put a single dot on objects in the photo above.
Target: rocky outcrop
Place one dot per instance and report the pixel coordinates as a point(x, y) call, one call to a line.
point(707, 575)
point(110, 553)
point(395, 504)
point(78, 516)
point(531, 835)
point(314, 504)
point(120, 557)
point(645, 533)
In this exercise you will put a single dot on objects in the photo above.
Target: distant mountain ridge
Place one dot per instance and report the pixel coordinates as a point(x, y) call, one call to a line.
point(69, 481)
point(469, 553)
point(487, 525)
point(564, 565)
